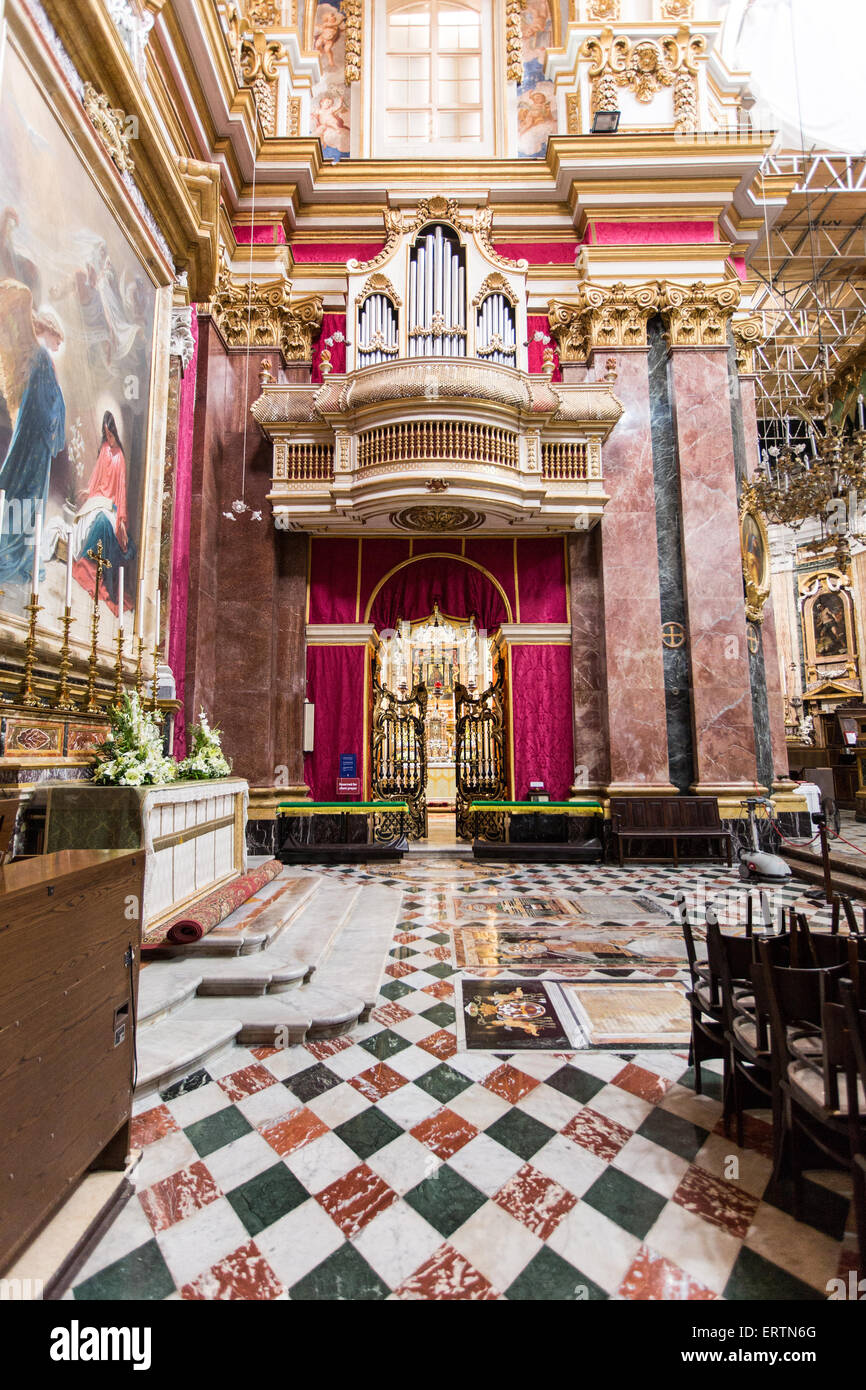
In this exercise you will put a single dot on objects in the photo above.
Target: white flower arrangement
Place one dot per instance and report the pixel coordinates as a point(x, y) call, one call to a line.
point(206, 758)
point(132, 754)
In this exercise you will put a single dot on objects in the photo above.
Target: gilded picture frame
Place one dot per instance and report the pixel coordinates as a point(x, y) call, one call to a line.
point(124, 328)
point(755, 554)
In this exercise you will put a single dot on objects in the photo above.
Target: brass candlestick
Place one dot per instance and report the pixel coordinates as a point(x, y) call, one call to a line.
point(101, 564)
point(27, 696)
point(139, 675)
point(155, 685)
point(118, 668)
point(64, 696)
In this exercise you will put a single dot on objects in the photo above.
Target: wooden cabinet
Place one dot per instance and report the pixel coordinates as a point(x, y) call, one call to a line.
point(67, 991)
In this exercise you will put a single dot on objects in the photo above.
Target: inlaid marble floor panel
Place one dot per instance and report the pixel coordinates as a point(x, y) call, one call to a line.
point(390, 1165)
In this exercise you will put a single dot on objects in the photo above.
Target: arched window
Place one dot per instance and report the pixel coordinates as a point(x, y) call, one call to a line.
point(435, 56)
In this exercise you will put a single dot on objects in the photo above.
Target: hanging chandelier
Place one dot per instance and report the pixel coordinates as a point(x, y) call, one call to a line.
point(817, 477)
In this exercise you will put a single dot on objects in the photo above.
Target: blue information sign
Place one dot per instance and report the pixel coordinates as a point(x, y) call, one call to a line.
point(348, 764)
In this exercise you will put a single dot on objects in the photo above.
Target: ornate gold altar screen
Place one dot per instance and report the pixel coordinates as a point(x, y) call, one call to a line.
point(399, 760)
point(481, 765)
point(440, 661)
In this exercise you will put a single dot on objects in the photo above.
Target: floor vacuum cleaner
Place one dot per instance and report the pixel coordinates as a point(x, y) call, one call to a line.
point(758, 865)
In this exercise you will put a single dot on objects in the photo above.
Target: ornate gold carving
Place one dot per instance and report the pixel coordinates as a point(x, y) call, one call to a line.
point(482, 228)
point(259, 59)
point(677, 9)
point(748, 332)
point(263, 14)
point(393, 231)
point(755, 551)
point(602, 317)
point(695, 315)
point(354, 13)
point(427, 518)
point(112, 125)
point(437, 209)
point(293, 116)
point(263, 314)
point(645, 67)
point(513, 41)
point(378, 284)
point(572, 113)
point(603, 10)
point(495, 283)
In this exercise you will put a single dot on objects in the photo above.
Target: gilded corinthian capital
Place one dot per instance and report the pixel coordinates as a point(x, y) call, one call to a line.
point(696, 315)
point(602, 316)
point(263, 314)
point(748, 333)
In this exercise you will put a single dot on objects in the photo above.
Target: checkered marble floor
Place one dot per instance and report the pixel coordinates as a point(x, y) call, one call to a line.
point(388, 1164)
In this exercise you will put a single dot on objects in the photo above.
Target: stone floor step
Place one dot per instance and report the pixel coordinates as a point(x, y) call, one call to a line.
point(847, 884)
point(279, 1020)
point(358, 953)
point(256, 923)
point(172, 1048)
point(164, 987)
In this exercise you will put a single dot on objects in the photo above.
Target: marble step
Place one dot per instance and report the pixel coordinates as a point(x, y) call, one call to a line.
point(358, 954)
point(252, 926)
point(281, 1020)
point(293, 958)
point(164, 987)
point(177, 1045)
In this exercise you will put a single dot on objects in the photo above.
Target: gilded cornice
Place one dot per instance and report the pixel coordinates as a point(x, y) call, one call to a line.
point(262, 314)
point(748, 332)
point(696, 315)
point(644, 67)
point(602, 316)
point(172, 185)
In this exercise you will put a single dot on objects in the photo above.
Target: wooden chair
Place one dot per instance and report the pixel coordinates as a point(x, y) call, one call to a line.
point(748, 1060)
point(705, 1004)
point(855, 1081)
point(807, 1054)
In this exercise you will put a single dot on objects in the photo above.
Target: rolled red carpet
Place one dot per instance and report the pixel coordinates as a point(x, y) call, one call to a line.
point(197, 921)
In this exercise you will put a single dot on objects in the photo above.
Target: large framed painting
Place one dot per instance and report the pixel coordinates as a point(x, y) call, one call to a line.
point(829, 632)
point(81, 306)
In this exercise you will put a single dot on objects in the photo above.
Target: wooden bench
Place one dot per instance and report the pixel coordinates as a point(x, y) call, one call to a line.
point(671, 818)
point(533, 848)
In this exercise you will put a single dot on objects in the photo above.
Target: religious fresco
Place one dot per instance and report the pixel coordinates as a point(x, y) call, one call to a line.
point(536, 105)
point(76, 339)
point(330, 106)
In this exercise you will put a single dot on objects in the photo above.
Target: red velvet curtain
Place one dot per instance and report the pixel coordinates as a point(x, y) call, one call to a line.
point(336, 684)
point(331, 324)
point(459, 589)
point(541, 704)
point(538, 323)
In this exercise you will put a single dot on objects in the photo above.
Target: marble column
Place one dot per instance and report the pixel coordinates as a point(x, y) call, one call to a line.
point(636, 717)
point(591, 754)
point(724, 745)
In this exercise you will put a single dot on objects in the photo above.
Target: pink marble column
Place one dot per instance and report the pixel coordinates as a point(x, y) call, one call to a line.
point(724, 742)
point(772, 667)
point(636, 722)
